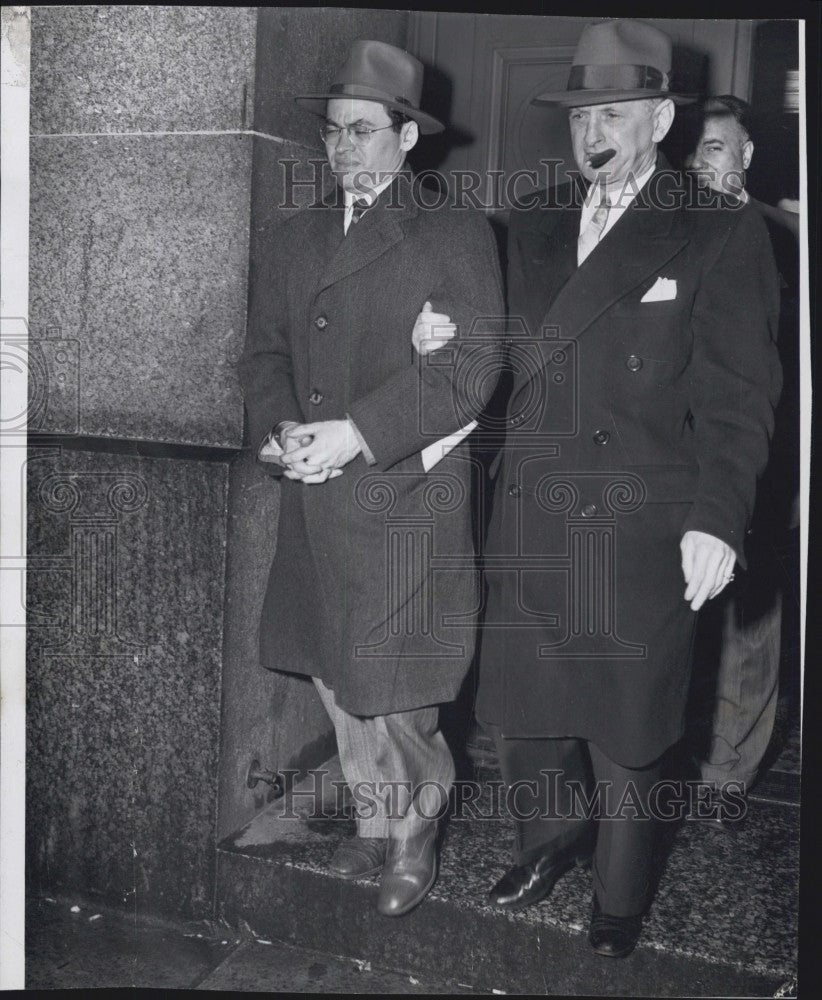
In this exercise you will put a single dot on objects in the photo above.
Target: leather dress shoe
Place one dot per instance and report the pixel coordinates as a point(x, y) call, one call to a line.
point(358, 857)
point(410, 870)
point(525, 884)
point(726, 814)
point(614, 937)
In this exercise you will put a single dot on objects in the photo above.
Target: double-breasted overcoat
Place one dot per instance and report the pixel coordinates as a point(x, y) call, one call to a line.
point(644, 386)
point(373, 586)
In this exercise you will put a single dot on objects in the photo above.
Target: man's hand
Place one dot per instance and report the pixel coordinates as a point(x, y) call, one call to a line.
point(707, 563)
point(432, 330)
point(278, 445)
point(313, 477)
point(332, 445)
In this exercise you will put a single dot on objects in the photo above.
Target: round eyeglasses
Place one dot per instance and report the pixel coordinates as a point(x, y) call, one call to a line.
point(358, 134)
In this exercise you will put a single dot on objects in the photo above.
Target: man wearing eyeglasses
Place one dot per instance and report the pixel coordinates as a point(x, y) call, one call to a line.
point(369, 438)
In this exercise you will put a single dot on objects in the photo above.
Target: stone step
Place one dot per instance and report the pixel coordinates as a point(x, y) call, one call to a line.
point(723, 921)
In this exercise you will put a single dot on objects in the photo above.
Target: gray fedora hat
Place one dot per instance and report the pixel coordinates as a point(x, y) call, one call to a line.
point(377, 71)
point(618, 60)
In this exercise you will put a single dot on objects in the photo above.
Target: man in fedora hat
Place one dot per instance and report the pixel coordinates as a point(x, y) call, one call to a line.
point(633, 446)
point(352, 418)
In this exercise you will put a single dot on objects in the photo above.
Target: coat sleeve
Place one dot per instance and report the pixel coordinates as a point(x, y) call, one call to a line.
point(735, 377)
point(441, 392)
point(264, 367)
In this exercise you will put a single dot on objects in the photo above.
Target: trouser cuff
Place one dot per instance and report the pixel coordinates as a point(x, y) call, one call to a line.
point(626, 901)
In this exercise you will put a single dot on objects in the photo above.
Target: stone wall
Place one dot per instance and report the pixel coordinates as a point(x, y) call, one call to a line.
point(297, 51)
point(156, 139)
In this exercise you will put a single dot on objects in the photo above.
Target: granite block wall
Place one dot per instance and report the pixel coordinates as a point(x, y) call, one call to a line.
point(126, 570)
point(141, 252)
point(141, 191)
point(141, 173)
point(158, 135)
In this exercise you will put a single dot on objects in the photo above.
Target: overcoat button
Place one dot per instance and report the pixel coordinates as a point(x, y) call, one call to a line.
point(514, 491)
point(321, 322)
point(601, 437)
point(633, 364)
point(316, 398)
point(589, 510)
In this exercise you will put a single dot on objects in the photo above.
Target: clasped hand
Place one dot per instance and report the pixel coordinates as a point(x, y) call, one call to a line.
point(316, 452)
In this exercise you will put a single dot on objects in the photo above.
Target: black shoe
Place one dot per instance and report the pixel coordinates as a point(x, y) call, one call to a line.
point(525, 884)
point(614, 937)
point(725, 812)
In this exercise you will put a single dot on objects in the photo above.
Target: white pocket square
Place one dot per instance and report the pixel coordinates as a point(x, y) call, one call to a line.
point(663, 290)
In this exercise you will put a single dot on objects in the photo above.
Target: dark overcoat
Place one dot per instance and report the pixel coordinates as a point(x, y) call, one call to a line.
point(373, 586)
point(629, 424)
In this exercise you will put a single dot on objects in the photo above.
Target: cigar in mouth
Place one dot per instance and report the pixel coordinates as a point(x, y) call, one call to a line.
point(600, 159)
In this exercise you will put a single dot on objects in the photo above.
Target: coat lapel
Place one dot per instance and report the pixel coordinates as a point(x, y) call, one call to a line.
point(552, 258)
point(641, 242)
point(377, 231)
point(324, 235)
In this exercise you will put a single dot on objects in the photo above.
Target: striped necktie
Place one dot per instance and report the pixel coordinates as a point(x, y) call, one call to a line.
point(592, 234)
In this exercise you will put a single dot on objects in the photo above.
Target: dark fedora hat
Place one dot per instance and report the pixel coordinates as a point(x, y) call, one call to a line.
point(376, 71)
point(618, 60)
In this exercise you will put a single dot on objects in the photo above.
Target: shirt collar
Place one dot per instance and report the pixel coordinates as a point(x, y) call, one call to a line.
point(370, 196)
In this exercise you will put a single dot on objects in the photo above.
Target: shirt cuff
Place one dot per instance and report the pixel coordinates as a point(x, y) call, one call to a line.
point(271, 449)
point(368, 455)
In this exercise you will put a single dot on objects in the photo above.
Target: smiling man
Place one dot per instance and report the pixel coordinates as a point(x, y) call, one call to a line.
point(623, 499)
point(344, 409)
point(724, 149)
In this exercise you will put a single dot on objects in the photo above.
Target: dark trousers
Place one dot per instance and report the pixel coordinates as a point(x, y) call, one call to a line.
point(555, 787)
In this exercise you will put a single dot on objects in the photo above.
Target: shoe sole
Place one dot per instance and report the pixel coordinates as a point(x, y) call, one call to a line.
point(348, 877)
point(622, 953)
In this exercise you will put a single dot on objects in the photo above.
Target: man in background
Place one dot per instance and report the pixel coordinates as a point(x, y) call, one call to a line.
point(748, 616)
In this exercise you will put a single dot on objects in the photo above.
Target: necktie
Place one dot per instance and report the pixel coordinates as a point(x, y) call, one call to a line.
point(591, 235)
point(361, 206)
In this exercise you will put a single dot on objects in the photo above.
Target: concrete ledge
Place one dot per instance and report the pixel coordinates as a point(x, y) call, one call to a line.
point(475, 946)
point(721, 923)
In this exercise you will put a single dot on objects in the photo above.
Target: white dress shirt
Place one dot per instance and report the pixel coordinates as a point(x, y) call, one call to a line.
point(619, 198)
point(370, 196)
